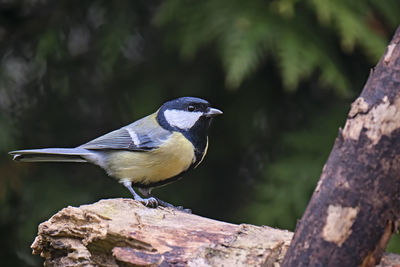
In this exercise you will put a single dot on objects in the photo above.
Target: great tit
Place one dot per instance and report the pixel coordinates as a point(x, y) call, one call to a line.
point(147, 153)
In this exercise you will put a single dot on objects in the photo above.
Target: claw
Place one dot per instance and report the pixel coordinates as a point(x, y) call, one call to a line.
point(149, 202)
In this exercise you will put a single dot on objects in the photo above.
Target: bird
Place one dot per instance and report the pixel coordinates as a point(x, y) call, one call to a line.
point(150, 152)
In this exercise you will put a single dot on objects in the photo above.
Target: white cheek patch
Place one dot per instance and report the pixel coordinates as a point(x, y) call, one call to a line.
point(182, 119)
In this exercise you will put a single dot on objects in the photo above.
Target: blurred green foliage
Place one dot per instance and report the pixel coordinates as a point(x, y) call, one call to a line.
point(297, 34)
point(283, 72)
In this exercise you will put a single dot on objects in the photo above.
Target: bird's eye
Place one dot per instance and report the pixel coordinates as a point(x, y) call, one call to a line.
point(191, 108)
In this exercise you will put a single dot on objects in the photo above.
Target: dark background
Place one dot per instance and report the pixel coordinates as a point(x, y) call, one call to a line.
point(284, 72)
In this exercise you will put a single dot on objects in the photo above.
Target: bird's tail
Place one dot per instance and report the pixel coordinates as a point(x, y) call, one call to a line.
point(51, 155)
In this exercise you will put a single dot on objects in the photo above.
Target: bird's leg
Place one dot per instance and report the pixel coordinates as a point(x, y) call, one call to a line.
point(147, 193)
point(148, 202)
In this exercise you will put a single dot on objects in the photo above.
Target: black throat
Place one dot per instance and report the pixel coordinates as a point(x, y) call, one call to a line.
point(197, 135)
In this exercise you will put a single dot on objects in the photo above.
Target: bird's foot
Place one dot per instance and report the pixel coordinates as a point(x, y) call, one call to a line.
point(150, 202)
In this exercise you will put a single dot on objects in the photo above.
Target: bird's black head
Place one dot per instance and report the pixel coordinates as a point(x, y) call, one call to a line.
point(189, 115)
point(185, 113)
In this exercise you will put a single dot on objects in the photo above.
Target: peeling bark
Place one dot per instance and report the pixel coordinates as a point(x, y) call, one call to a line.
point(355, 207)
point(338, 223)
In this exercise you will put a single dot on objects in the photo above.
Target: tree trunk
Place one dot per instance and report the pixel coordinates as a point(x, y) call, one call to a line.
point(355, 207)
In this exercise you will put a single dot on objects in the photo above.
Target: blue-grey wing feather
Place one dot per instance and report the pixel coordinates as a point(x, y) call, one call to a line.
point(142, 135)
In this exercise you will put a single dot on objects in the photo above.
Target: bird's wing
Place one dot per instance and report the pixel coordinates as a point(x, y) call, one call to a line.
point(142, 135)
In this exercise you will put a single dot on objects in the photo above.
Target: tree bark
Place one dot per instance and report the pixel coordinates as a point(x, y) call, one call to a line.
point(355, 207)
point(122, 232)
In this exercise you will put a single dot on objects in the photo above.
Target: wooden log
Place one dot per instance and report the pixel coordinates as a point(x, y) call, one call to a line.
point(355, 207)
point(122, 232)
point(117, 232)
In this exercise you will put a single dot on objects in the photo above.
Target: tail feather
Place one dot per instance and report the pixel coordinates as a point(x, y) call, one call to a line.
point(51, 155)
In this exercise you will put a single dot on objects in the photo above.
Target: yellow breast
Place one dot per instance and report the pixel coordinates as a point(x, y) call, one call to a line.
point(173, 157)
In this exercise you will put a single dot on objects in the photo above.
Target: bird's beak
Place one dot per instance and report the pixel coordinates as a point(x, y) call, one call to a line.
point(212, 112)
